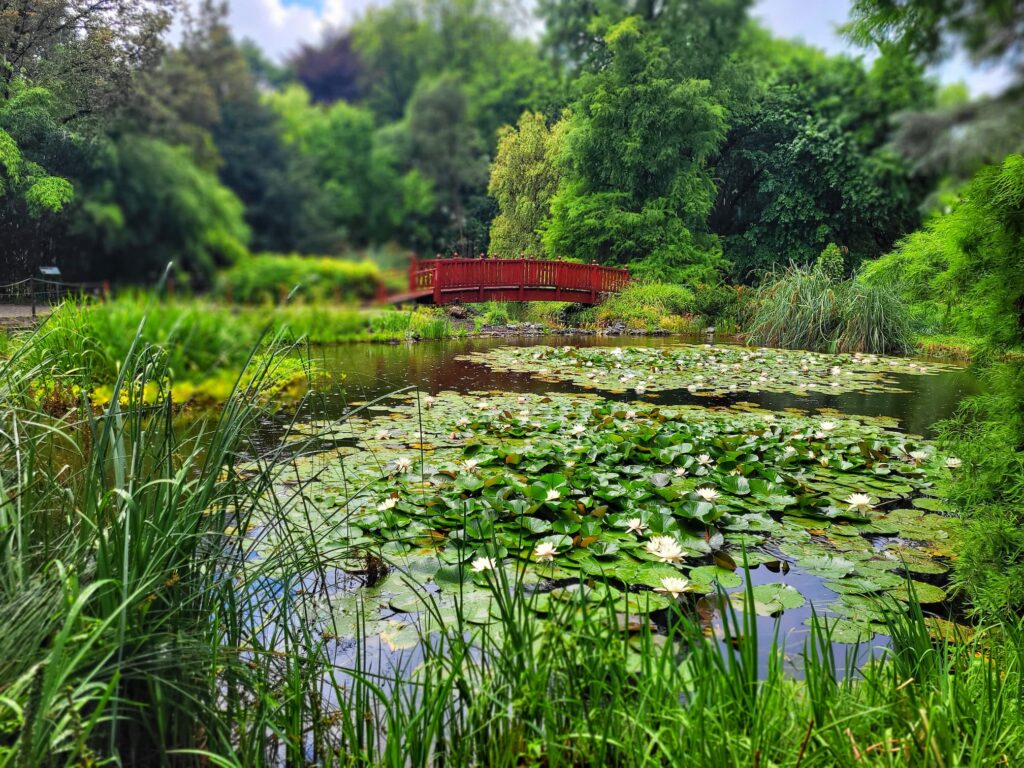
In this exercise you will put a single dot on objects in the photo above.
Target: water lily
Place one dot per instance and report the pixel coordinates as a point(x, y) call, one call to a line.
point(827, 426)
point(860, 502)
point(953, 463)
point(836, 370)
point(708, 494)
point(382, 434)
point(483, 405)
point(470, 465)
point(635, 525)
point(520, 399)
point(545, 551)
point(388, 503)
point(918, 457)
point(672, 586)
point(704, 460)
point(618, 351)
point(463, 422)
point(553, 495)
point(630, 415)
point(577, 430)
point(428, 401)
point(666, 549)
point(680, 472)
point(403, 464)
point(482, 564)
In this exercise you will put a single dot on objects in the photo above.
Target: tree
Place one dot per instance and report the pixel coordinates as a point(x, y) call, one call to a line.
point(29, 193)
point(812, 165)
point(87, 53)
point(447, 150)
point(330, 71)
point(953, 139)
point(368, 195)
point(148, 204)
point(524, 177)
point(638, 186)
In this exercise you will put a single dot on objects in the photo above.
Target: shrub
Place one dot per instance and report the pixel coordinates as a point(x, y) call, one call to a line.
point(270, 277)
point(644, 305)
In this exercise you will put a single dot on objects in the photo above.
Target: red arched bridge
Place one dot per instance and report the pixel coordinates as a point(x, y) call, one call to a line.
point(447, 281)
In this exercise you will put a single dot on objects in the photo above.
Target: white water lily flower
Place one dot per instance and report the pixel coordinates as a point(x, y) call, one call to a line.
point(860, 502)
point(382, 434)
point(709, 495)
point(635, 525)
point(545, 550)
point(618, 351)
point(692, 388)
point(836, 370)
point(704, 460)
point(388, 503)
point(666, 549)
point(827, 426)
point(524, 413)
point(640, 389)
point(577, 430)
point(680, 471)
point(834, 384)
point(570, 463)
point(520, 399)
point(453, 435)
point(428, 401)
point(953, 463)
point(553, 495)
point(470, 465)
point(482, 564)
point(483, 405)
point(672, 586)
point(790, 450)
point(463, 422)
point(403, 464)
point(630, 414)
point(823, 461)
point(919, 457)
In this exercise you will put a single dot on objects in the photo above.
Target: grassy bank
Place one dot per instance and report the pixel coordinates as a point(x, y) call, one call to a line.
point(203, 345)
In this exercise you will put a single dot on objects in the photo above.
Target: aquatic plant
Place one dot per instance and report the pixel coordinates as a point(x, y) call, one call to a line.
point(705, 371)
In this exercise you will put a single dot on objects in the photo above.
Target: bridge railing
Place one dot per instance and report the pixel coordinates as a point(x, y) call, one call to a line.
point(440, 274)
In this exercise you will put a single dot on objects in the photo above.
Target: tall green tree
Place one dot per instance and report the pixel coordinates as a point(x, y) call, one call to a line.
point(812, 164)
point(369, 195)
point(638, 187)
point(524, 177)
point(446, 148)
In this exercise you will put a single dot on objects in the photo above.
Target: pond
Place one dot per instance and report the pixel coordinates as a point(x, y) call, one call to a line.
point(649, 464)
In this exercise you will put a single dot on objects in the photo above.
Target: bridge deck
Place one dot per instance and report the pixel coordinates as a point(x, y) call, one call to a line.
point(446, 281)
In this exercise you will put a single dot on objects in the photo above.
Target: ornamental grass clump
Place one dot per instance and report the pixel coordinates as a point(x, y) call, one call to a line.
point(808, 309)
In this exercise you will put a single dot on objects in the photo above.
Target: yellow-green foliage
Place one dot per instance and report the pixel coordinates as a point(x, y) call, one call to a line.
point(649, 307)
point(271, 277)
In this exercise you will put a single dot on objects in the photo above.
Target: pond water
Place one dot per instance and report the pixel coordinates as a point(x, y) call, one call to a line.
point(890, 408)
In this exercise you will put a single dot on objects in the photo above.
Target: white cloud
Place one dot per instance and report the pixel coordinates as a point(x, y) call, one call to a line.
point(279, 26)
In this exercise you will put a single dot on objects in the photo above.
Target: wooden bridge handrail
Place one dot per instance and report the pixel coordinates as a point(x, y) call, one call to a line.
point(459, 275)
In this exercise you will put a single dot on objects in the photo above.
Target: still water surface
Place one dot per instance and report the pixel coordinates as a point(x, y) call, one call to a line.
point(361, 372)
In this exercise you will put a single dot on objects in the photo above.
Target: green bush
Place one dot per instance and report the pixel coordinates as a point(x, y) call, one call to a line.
point(646, 305)
point(806, 309)
point(270, 277)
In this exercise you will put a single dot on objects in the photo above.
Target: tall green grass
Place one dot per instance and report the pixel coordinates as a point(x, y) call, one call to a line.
point(807, 309)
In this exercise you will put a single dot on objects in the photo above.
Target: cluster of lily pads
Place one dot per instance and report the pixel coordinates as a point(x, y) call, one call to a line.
point(658, 505)
point(706, 370)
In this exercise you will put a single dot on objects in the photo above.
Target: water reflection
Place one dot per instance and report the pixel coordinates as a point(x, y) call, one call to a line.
point(359, 372)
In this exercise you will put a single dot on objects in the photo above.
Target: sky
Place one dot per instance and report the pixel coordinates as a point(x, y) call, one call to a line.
point(280, 26)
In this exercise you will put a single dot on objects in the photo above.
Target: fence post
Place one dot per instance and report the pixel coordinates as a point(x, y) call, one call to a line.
point(32, 294)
